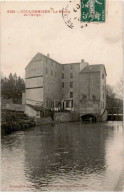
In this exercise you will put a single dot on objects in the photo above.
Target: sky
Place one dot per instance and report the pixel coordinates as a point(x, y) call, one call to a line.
point(23, 36)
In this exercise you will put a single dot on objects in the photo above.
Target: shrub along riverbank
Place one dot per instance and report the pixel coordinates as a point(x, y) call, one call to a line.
point(13, 121)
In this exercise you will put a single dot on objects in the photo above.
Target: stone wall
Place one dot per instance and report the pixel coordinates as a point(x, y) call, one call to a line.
point(103, 90)
point(44, 121)
point(70, 81)
point(51, 82)
point(34, 80)
point(66, 117)
point(29, 111)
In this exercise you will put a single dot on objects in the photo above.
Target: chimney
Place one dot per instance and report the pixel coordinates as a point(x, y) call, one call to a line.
point(83, 64)
point(48, 55)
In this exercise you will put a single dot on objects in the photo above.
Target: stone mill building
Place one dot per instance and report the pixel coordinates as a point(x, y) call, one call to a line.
point(73, 87)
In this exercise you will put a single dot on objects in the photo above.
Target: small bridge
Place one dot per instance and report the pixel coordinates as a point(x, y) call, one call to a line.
point(89, 117)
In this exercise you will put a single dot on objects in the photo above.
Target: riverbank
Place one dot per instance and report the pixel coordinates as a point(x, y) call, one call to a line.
point(14, 121)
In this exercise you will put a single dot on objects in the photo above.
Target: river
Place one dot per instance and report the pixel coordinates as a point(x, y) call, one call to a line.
point(63, 157)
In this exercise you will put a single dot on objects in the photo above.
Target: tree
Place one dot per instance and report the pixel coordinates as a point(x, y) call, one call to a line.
point(113, 104)
point(12, 87)
point(120, 88)
point(110, 96)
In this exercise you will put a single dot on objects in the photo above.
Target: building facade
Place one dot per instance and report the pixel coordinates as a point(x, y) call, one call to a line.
point(93, 92)
point(78, 87)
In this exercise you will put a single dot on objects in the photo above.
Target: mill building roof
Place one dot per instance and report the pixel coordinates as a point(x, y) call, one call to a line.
point(94, 68)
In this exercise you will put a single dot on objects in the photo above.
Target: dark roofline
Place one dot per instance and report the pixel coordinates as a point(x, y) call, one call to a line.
point(95, 70)
point(98, 65)
point(40, 60)
point(48, 58)
point(64, 63)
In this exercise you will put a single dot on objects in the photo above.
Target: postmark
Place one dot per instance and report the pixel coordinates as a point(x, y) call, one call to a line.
point(93, 10)
point(71, 14)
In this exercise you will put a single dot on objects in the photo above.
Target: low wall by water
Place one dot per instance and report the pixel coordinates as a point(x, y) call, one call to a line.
point(58, 117)
point(44, 121)
point(65, 117)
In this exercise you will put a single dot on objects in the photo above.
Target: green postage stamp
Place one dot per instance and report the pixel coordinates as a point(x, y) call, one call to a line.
point(93, 10)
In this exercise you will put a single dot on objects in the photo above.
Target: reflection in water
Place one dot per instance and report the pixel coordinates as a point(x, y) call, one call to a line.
point(64, 157)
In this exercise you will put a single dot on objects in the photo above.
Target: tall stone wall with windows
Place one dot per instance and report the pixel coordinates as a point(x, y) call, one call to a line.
point(89, 92)
point(70, 84)
point(51, 83)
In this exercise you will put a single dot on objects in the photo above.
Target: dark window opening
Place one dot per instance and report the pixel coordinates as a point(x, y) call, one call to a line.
point(67, 104)
point(84, 96)
point(71, 94)
point(71, 75)
point(94, 97)
point(62, 85)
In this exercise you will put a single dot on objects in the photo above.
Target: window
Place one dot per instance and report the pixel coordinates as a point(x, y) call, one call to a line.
point(51, 72)
point(71, 67)
point(67, 104)
point(62, 75)
point(102, 76)
point(94, 97)
point(71, 84)
point(71, 75)
point(71, 94)
point(46, 70)
point(62, 67)
point(103, 95)
point(84, 96)
point(62, 85)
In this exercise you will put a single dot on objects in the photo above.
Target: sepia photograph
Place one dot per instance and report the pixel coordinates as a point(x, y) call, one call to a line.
point(62, 96)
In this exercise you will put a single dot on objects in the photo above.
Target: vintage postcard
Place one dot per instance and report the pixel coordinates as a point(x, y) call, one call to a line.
point(62, 96)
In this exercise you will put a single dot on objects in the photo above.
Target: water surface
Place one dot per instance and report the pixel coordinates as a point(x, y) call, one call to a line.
point(63, 157)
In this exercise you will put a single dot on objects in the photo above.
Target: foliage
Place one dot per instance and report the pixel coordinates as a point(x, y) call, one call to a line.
point(120, 88)
point(12, 87)
point(110, 96)
point(113, 104)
